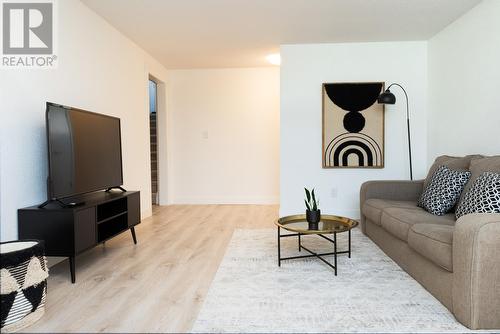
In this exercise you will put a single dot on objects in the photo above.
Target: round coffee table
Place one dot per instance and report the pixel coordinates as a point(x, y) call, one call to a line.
point(329, 224)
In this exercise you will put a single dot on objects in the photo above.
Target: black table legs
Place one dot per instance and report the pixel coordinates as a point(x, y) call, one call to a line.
point(132, 230)
point(72, 268)
point(335, 251)
point(279, 247)
point(349, 243)
point(320, 256)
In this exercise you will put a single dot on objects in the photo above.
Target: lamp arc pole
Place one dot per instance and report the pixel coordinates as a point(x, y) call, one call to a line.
point(392, 100)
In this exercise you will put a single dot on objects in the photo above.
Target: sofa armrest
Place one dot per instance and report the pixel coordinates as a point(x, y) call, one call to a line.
point(399, 190)
point(476, 270)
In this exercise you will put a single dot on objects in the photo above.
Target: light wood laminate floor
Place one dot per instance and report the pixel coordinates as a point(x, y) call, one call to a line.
point(157, 285)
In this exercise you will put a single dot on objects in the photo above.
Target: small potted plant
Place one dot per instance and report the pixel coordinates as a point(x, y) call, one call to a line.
point(313, 214)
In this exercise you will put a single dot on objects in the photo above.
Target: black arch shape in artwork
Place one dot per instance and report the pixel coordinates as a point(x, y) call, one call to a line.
point(353, 96)
point(356, 151)
point(368, 152)
point(334, 141)
point(352, 137)
point(371, 144)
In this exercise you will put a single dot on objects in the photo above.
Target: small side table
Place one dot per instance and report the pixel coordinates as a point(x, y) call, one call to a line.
point(328, 225)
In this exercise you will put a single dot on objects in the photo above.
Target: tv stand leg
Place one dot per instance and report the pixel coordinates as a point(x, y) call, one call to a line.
point(72, 268)
point(132, 230)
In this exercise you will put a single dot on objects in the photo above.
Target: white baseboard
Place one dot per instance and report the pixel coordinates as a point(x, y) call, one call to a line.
point(146, 213)
point(271, 200)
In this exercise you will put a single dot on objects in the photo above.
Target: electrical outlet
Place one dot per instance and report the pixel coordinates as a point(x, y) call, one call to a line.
point(204, 134)
point(334, 192)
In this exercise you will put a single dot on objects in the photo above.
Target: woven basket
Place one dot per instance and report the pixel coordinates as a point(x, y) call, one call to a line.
point(23, 283)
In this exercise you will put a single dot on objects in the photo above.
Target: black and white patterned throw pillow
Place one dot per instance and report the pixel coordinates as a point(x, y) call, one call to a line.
point(444, 190)
point(482, 197)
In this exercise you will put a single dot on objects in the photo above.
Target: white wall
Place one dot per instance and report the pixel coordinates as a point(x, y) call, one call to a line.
point(99, 70)
point(464, 81)
point(303, 69)
point(225, 130)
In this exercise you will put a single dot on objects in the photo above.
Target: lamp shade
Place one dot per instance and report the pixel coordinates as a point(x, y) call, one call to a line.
point(386, 98)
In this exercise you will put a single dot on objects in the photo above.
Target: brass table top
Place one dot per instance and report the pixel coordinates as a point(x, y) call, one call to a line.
point(329, 224)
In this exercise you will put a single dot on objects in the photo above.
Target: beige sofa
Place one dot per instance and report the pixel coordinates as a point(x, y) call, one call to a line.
point(458, 261)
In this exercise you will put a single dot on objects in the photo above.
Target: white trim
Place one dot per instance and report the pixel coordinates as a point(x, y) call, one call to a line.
point(227, 200)
point(146, 213)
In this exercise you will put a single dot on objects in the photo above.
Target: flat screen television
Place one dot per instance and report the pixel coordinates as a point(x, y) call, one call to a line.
point(84, 151)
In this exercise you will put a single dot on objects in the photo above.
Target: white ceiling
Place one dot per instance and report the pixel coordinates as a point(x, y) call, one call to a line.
point(240, 33)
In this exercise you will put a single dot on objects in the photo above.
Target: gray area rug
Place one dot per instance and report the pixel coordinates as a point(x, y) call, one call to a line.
point(250, 293)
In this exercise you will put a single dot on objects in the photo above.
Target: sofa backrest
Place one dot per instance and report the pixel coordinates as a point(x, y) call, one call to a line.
point(478, 167)
point(455, 163)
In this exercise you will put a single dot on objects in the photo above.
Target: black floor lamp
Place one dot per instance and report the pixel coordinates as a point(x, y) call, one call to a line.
point(388, 98)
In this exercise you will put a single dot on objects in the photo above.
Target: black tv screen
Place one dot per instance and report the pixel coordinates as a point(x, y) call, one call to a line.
point(84, 151)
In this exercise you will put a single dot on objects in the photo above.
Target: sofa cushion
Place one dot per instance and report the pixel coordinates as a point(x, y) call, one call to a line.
point(477, 168)
point(455, 163)
point(482, 197)
point(372, 208)
point(397, 221)
point(434, 242)
point(444, 190)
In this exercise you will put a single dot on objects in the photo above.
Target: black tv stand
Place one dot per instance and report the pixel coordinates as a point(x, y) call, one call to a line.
point(121, 188)
point(71, 230)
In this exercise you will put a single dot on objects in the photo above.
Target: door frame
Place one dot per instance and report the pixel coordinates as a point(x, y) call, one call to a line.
point(161, 139)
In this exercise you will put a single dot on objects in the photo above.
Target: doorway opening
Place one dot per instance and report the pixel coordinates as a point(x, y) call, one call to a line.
point(153, 118)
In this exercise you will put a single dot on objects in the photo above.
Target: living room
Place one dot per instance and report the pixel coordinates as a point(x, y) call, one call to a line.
point(386, 112)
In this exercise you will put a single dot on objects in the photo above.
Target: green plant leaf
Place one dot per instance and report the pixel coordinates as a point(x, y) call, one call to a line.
point(313, 197)
point(308, 195)
point(307, 205)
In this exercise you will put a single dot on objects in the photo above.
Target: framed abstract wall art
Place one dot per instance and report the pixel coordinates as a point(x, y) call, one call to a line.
point(353, 125)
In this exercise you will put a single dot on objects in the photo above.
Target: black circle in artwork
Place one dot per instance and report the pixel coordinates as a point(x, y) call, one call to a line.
point(354, 121)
